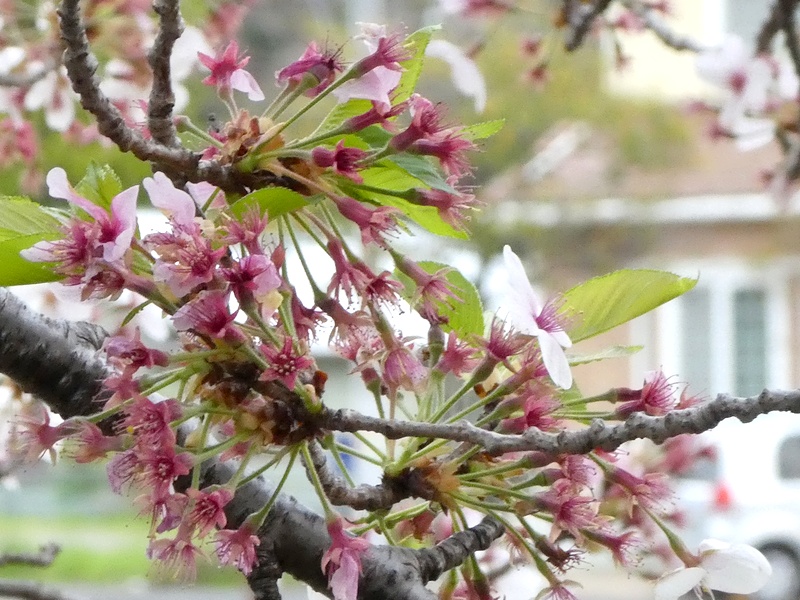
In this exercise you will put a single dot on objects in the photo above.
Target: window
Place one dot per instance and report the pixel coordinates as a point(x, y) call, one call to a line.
point(788, 465)
point(728, 334)
point(744, 17)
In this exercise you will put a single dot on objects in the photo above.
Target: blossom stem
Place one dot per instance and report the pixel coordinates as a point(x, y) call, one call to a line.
point(364, 440)
point(360, 455)
point(314, 101)
point(499, 491)
point(313, 477)
point(203, 438)
point(317, 291)
point(261, 515)
point(468, 385)
point(261, 470)
point(212, 451)
point(517, 464)
point(185, 124)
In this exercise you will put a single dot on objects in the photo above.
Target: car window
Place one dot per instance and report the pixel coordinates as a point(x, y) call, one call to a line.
point(789, 458)
point(704, 468)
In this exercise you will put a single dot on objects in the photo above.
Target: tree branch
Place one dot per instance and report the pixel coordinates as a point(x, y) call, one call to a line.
point(580, 17)
point(44, 558)
point(598, 436)
point(28, 590)
point(162, 97)
point(656, 24)
point(82, 65)
point(51, 363)
point(367, 497)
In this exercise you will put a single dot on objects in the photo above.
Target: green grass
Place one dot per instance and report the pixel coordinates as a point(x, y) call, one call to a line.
point(98, 550)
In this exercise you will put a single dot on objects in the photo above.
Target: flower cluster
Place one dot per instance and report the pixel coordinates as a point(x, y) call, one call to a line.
point(298, 252)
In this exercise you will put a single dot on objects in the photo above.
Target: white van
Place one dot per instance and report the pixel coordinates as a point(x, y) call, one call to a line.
point(750, 493)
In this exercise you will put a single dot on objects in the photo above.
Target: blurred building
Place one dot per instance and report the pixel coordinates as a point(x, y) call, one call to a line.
point(706, 215)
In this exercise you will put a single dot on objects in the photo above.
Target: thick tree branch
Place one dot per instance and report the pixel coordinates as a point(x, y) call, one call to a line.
point(580, 17)
point(51, 362)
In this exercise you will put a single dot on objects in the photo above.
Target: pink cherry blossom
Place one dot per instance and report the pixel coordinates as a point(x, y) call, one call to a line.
point(208, 507)
point(320, 68)
point(342, 561)
point(238, 547)
point(227, 73)
point(284, 364)
point(107, 239)
point(208, 314)
point(345, 161)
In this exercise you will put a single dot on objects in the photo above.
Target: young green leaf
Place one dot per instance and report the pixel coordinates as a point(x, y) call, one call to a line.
point(275, 201)
point(604, 302)
point(610, 352)
point(417, 42)
point(480, 131)
point(23, 223)
point(100, 184)
point(465, 315)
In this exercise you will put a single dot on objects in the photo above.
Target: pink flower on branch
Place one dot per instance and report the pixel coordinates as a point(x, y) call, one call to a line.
point(284, 364)
point(208, 314)
point(238, 547)
point(207, 510)
point(314, 69)
point(345, 161)
point(373, 223)
point(107, 239)
point(342, 561)
point(227, 73)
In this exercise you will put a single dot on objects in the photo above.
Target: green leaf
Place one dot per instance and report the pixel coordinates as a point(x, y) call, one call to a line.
point(134, 311)
point(604, 302)
point(426, 217)
point(22, 216)
point(341, 112)
point(23, 223)
point(18, 271)
point(416, 43)
point(610, 352)
point(100, 185)
point(465, 316)
point(480, 131)
point(275, 201)
point(421, 168)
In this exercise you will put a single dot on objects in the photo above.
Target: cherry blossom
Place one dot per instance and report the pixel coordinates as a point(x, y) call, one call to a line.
point(730, 568)
point(227, 73)
point(751, 83)
point(320, 68)
point(532, 317)
point(342, 561)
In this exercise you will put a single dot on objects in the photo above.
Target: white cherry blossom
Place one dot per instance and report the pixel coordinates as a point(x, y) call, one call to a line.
point(533, 317)
point(724, 567)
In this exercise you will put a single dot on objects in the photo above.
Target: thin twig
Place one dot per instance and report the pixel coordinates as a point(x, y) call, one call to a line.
point(162, 97)
point(43, 558)
point(656, 24)
point(599, 435)
point(28, 590)
point(580, 17)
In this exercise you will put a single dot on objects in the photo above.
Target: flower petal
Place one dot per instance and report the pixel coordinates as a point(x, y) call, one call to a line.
point(739, 569)
point(675, 584)
point(525, 306)
point(164, 195)
point(555, 361)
